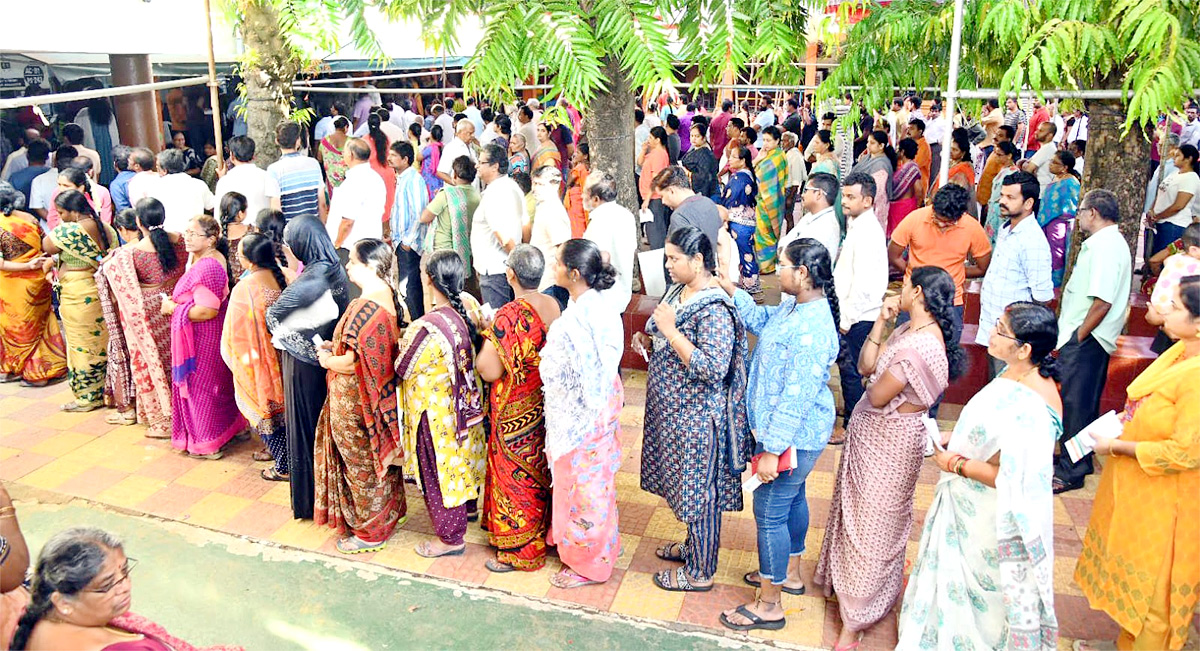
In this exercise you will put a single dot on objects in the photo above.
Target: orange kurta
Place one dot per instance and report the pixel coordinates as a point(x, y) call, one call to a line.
point(924, 159)
point(1145, 523)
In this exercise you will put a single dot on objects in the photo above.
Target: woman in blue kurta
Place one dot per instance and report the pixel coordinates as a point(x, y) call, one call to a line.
point(790, 408)
point(696, 440)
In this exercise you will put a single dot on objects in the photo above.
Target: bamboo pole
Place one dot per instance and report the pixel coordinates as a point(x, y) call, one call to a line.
point(214, 96)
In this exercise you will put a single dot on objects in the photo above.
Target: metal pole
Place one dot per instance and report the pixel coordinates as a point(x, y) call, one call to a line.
point(18, 102)
point(951, 91)
point(214, 97)
point(411, 91)
point(405, 75)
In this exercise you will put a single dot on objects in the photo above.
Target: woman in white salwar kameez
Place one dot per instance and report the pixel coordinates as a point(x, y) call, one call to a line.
point(984, 576)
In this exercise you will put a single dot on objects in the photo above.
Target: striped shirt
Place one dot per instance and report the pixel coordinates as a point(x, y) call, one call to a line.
point(296, 180)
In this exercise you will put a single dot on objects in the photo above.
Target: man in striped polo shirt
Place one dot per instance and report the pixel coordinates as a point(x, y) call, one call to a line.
point(295, 184)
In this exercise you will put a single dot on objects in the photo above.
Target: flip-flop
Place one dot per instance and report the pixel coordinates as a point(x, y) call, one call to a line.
point(681, 583)
point(212, 456)
point(121, 419)
point(758, 584)
point(269, 474)
point(496, 566)
point(423, 551)
point(262, 455)
point(1059, 486)
point(76, 408)
point(756, 622)
point(356, 545)
point(575, 580)
point(665, 554)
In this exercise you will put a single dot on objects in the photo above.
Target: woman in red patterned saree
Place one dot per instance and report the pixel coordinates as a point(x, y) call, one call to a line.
point(516, 501)
point(358, 452)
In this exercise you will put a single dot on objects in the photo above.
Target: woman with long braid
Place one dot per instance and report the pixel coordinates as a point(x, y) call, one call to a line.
point(358, 452)
point(871, 514)
point(234, 228)
point(80, 241)
point(791, 413)
point(444, 443)
point(247, 350)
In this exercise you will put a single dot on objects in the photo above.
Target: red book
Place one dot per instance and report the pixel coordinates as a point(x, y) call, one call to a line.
point(787, 461)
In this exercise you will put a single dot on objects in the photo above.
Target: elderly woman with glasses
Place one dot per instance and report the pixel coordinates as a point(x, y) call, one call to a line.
point(81, 596)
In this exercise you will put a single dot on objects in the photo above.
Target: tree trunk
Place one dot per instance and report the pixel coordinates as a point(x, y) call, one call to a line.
point(268, 74)
point(609, 133)
point(1116, 164)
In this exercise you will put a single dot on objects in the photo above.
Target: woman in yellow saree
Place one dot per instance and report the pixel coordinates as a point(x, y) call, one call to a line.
point(81, 241)
point(31, 345)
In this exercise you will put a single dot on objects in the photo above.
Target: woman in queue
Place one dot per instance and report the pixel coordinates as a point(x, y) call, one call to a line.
point(696, 439)
point(993, 501)
point(118, 379)
point(516, 501)
point(1139, 562)
point(444, 443)
point(140, 276)
point(204, 416)
point(870, 517)
point(791, 414)
point(32, 350)
point(358, 453)
point(247, 350)
point(303, 316)
point(581, 379)
point(81, 241)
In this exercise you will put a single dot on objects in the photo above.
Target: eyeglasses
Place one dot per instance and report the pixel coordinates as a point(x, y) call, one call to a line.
point(191, 233)
point(788, 266)
point(996, 329)
point(130, 563)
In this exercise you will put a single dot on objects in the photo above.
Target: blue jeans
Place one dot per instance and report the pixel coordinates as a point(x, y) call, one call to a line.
point(1164, 235)
point(781, 512)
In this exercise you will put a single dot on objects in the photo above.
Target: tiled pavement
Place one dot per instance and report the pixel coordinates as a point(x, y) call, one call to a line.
point(81, 455)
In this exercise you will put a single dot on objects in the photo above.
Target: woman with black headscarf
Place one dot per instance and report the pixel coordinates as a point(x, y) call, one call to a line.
point(303, 317)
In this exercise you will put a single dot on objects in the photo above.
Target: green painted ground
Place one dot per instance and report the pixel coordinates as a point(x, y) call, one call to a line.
point(211, 588)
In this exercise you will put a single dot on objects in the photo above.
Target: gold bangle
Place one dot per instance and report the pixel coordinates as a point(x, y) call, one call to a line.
point(672, 340)
point(8, 509)
point(6, 516)
point(874, 342)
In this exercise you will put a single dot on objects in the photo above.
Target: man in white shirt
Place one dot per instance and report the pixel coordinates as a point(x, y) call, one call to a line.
point(182, 196)
point(1190, 135)
point(458, 147)
point(551, 226)
point(1077, 128)
point(496, 224)
point(18, 160)
point(244, 177)
point(443, 119)
point(356, 212)
point(819, 221)
point(474, 115)
point(612, 227)
point(765, 118)
point(528, 129)
point(393, 132)
point(141, 163)
point(1039, 164)
point(324, 126)
point(860, 279)
point(935, 130)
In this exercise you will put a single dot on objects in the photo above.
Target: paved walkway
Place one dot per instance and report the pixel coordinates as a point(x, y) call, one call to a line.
point(80, 455)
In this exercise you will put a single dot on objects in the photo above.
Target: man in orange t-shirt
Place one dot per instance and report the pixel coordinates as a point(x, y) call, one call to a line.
point(924, 159)
point(942, 235)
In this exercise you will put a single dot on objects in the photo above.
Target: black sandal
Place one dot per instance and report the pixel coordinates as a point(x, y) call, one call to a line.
point(758, 584)
point(681, 584)
point(269, 474)
point(1060, 486)
point(756, 622)
point(666, 552)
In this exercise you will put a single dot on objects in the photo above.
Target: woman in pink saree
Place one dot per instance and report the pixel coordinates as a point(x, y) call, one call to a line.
point(581, 379)
point(204, 415)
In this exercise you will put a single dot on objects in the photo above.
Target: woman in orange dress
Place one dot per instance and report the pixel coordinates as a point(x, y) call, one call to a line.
point(1140, 562)
point(575, 183)
point(247, 350)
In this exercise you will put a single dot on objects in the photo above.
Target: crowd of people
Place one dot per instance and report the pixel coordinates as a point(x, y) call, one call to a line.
point(438, 300)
